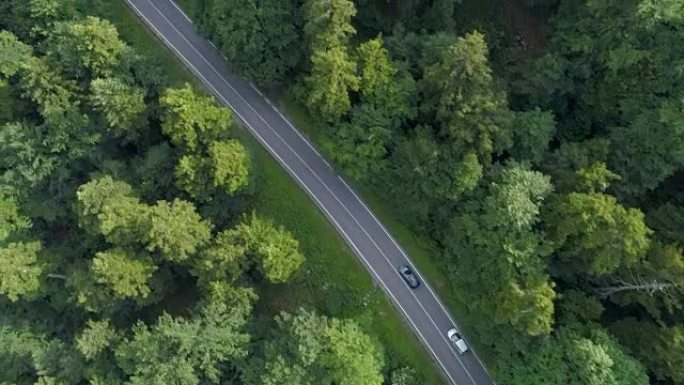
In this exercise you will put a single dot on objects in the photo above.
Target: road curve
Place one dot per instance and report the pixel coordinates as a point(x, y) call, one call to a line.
point(357, 225)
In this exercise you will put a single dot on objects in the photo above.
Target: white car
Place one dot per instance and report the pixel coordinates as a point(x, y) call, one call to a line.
point(458, 341)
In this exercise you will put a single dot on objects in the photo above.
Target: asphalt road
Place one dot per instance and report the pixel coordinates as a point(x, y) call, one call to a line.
point(357, 225)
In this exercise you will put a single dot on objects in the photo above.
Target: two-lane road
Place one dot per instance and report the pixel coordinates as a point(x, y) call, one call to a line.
point(357, 225)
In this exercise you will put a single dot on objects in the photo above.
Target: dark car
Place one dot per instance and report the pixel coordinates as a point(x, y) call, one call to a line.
point(409, 277)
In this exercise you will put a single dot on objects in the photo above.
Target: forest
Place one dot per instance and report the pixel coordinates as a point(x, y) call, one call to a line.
point(130, 247)
point(537, 144)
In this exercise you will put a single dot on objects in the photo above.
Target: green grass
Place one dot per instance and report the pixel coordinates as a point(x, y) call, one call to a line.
point(332, 280)
point(421, 249)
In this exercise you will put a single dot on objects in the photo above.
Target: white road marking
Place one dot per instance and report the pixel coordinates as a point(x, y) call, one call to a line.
point(182, 12)
point(320, 204)
point(396, 244)
point(408, 260)
point(309, 192)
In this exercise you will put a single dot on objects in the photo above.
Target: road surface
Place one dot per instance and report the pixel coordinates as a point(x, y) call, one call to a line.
point(357, 225)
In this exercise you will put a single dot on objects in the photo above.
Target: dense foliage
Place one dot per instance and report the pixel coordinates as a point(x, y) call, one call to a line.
point(116, 264)
point(546, 163)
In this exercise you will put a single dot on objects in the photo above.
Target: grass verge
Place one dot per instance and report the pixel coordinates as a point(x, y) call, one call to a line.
point(421, 249)
point(333, 280)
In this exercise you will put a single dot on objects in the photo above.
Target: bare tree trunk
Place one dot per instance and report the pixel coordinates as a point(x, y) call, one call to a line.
point(648, 285)
point(57, 276)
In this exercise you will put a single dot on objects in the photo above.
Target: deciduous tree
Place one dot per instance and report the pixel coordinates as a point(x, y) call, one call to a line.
point(661, 348)
point(274, 249)
point(86, 48)
point(11, 221)
point(333, 76)
point(191, 120)
point(596, 233)
point(188, 351)
point(176, 230)
point(123, 273)
point(110, 208)
point(13, 53)
point(20, 269)
point(532, 133)
point(120, 104)
point(96, 337)
point(513, 287)
point(230, 165)
point(575, 358)
point(315, 350)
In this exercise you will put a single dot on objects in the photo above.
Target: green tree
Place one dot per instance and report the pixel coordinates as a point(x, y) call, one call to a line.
point(191, 120)
point(333, 75)
point(193, 175)
point(660, 348)
point(328, 23)
point(461, 91)
point(110, 208)
point(188, 351)
point(575, 358)
point(86, 48)
point(361, 146)
point(176, 230)
point(376, 70)
point(230, 165)
point(328, 29)
point(262, 39)
point(96, 337)
point(440, 14)
point(283, 48)
point(18, 348)
point(649, 149)
point(154, 170)
point(513, 287)
point(433, 174)
point(315, 350)
point(34, 19)
point(20, 269)
point(46, 87)
point(533, 130)
point(222, 261)
point(120, 104)
point(352, 356)
point(11, 221)
point(596, 234)
point(226, 167)
point(124, 274)
point(235, 24)
point(65, 133)
point(274, 249)
point(13, 53)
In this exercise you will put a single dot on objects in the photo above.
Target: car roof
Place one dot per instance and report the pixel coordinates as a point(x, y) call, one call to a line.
point(461, 345)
